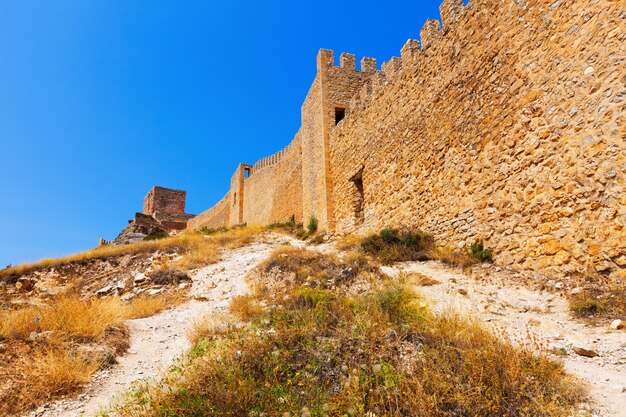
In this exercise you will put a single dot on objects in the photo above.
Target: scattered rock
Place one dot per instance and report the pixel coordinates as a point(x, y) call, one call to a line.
point(462, 291)
point(586, 352)
point(576, 290)
point(102, 354)
point(25, 285)
point(617, 325)
point(139, 278)
point(104, 291)
point(36, 336)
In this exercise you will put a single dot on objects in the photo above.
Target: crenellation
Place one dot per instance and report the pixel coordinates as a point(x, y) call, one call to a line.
point(430, 33)
point(347, 61)
point(325, 60)
point(368, 65)
point(392, 67)
point(410, 50)
point(451, 11)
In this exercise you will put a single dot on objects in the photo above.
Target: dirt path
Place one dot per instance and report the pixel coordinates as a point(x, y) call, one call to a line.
point(158, 340)
point(516, 309)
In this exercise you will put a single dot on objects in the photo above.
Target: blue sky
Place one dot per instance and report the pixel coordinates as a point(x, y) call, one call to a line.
point(101, 100)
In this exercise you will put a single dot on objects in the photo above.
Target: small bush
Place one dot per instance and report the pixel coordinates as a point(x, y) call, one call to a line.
point(245, 307)
point(585, 305)
point(478, 251)
point(318, 239)
point(312, 226)
point(161, 234)
point(394, 245)
point(169, 276)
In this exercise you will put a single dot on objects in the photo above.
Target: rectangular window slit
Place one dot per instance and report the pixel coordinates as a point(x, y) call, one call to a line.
point(340, 113)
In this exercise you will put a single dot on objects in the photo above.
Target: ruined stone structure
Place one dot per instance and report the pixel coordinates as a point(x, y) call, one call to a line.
point(167, 207)
point(507, 122)
point(163, 211)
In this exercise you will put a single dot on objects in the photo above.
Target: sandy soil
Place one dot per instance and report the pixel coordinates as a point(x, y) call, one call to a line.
point(515, 309)
point(158, 340)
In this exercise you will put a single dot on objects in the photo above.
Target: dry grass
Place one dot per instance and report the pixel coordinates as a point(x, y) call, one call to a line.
point(146, 306)
point(46, 362)
point(319, 350)
point(417, 279)
point(196, 249)
point(600, 298)
point(399, 245)
point(453, 257)
point(34, 375)
point(70, 316)
point(245, 307)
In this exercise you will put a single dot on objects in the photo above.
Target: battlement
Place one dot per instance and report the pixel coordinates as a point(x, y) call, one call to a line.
point(347, 62)
point(269, 160)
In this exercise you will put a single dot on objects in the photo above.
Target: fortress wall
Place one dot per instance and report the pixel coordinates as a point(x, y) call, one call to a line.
point(216, 216)
point(274, 193)
point(507, 125)
point(331, 90)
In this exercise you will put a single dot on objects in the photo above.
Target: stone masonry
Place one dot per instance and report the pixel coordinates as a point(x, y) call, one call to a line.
point(505, 122)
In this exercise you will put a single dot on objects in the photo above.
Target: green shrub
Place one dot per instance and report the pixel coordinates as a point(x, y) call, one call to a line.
point(394, 245)
point(161, 234)
point(478, 251)
point(312, 227)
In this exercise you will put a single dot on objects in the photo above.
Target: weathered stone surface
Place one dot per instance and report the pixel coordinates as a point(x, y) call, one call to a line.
point(508, 125)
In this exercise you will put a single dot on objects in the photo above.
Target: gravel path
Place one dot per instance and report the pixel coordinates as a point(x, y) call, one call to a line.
point(515, 309)
point(158, 340)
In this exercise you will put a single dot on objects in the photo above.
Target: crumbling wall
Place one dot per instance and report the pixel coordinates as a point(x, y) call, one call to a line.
point(506, 125)
point(164, 200)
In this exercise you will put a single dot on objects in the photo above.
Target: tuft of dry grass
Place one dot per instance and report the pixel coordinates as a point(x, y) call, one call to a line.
point(321, 349)
point(45, 363)
point(39, 375)
point(146, 306)
point(453, 257)
point(70, 316)
point(417, 279)
point(607, 302)
point(245, 307)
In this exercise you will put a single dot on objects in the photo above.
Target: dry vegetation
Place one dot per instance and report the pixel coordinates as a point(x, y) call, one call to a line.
point(197, 249)
point(333, 337)
point(52, 350)
point(599, 297)
point(399, 245)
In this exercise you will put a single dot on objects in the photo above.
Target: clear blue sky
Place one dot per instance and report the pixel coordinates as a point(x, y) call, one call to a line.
point(102, 99)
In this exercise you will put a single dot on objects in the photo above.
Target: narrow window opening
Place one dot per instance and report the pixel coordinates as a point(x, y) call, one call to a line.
point(358, 197)
point(235, 199)
point(340, 113)
point(246, 172)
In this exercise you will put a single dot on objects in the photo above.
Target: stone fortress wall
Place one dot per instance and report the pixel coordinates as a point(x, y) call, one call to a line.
point(507, 124)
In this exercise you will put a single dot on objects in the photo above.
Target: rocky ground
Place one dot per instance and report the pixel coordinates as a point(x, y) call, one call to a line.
point(158, 340)
point(499, 298)
point(596, 354)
